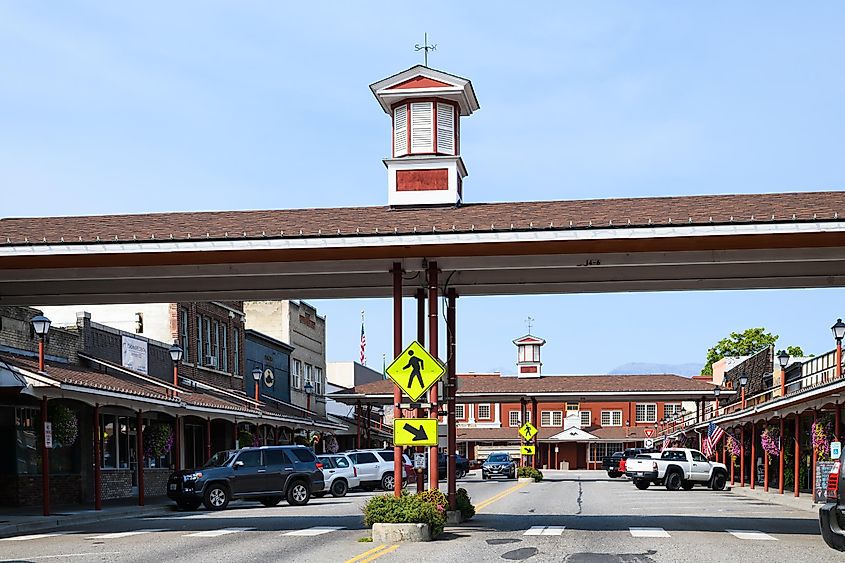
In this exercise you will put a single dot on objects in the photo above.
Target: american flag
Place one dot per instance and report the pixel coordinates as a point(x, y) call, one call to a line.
point(363, 343)
point(666, 441)
point(714, 436)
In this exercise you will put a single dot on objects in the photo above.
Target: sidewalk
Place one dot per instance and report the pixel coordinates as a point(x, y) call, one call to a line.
point(29, 520)
point(804, 502)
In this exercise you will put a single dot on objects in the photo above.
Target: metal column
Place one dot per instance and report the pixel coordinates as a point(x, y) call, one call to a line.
point(397, 350)
point(753, 454)
point(451, 390)
point(98, 476)
point(742, 456)
point(780, 456)
point(45, 455)
point(420, 297)
point(177, 444)
point(797, 468)
point(139, 456)
point(432, 348)
point(536, 438)
point(208, 438)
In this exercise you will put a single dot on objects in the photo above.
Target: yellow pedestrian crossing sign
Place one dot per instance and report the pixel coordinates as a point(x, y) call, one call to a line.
point(415, 371)
point(527, 431)
point(526, 450)
point(414, 431)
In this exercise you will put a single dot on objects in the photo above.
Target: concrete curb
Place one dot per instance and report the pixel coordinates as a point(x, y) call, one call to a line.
point(47, 523)
point(787, 499)
point(399, 533)
point(526, 479)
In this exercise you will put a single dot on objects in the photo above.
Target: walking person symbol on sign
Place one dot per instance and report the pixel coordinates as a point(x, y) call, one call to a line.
point(417, 365)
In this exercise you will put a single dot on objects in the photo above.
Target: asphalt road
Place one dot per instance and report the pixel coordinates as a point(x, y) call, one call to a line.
point(577, 517)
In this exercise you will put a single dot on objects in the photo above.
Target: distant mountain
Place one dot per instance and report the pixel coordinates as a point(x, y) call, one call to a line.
point(647, 368)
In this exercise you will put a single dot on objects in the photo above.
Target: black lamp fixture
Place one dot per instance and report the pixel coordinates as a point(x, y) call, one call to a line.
point(308, 388)
point(783, 359)
point(717, 391)
point(41, 326)
point(838, 330)
point(176, 352)
point(256, 375)
point(743, 380)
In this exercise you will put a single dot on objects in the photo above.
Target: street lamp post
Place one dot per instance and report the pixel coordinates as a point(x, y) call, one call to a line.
point(783, 360)
point(743, 381)
point(838, 333)
point(256, 375)
point(308, 390)
point(41, 325)
point(716, 392)
point(176, 353)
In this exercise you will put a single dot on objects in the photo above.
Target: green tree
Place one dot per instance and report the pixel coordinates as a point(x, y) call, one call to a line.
point(744, 343)
point(795, 351)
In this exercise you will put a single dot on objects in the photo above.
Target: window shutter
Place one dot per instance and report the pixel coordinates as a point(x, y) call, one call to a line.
point(422, 136)
point(400, 130)
point(445, 129)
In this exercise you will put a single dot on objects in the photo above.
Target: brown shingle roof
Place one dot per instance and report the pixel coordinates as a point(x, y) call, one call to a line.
point(344, 221)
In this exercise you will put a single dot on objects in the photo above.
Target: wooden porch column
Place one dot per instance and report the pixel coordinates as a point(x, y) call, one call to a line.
point(207, 439)
point(45, 454)
point(139, 456)
point(98, 475)
point(753, 454)
point(397, 350)
point(733, 461)
point(742, 456)
point(451, 390)
point(781, 453)
point(523, 414)
point(797, 468)
point(837, 414)
point(814, 459)
point(537, 435)
point(358, 424)
point(433, 346)
point(420, 297)
point(177, 444)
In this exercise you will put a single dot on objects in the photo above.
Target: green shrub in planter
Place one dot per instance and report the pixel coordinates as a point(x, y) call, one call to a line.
point(530, 472)
point(405, 509)
point(464, 505)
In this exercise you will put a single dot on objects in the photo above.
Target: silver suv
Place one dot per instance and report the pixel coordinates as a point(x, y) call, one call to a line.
point(375, 468)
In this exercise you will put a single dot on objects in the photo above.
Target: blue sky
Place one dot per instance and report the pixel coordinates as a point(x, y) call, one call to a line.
point(164, 106)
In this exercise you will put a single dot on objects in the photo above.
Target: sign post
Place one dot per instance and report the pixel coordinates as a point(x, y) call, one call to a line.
point(48, 435)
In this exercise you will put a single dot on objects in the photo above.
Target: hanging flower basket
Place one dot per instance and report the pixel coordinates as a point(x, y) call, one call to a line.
point(331, 444)
point(65, 425)
point(733, 445)
point(770, 439)
point(246, 439)
point(821, 436)
point(158, 439)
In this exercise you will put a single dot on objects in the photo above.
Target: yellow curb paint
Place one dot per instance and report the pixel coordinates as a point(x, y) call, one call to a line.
point(359, 558)
point(499, 496)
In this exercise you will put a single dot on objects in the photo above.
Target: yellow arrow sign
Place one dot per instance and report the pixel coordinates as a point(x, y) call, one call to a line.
point(414, 431)
point(415, 371)
point(526, 450)
point(527, 431)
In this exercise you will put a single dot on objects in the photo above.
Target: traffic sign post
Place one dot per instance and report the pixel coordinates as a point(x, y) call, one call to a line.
point(415, 432)
point(415, 371)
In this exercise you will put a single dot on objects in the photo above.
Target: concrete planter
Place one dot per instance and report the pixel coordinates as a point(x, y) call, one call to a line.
point(454, 517)
point(398, 533)
point(526, 479)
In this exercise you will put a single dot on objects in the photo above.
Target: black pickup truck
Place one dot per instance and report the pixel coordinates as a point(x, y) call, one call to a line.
point(831, 517)
point(612, 463)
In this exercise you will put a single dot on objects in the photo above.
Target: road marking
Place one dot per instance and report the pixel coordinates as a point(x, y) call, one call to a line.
point(371, 554)
point(65, 555)
point(215, 533)
point(649, 533)
point(751, 535)
point(117, 535)
point(32, 537)
point(544, 531)
point(315, 531)
point(499, 496)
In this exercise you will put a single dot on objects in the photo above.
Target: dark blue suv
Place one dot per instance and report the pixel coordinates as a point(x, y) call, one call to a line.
point(267, 475)
point(498, 464)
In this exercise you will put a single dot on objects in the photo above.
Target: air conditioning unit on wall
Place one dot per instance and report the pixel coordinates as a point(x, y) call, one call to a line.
point(211, 361)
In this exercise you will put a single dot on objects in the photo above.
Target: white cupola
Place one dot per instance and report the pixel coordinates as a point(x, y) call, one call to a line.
point(426, 106)
point(528, 362)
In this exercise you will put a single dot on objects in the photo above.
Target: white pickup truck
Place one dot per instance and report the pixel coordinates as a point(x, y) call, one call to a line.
point(677, 468)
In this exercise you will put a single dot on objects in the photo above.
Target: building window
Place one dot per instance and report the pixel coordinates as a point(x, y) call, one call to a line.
point(557, 418)
point(297, 373)
point(551, 418)
point(586, 418)
point(646, 412)
point(459, 412)
point(198, 356)
point(513, 419)
point(572, 406)
point(671, 409)
point(307, 375)
point(598, 451)
point(206, 323)
point(215, 344)
point(484, 411)
point(236, 352)
point(183, 332)
point(318, 380)
point(224, 348)
point(611, 418)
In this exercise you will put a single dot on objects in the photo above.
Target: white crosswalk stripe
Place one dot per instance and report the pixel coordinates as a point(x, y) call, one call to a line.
point(117, 535)
point(34, 536)
point(649, 533)
point(215, 533)
point(315, 531)
point(751, 535)
point(544, 531)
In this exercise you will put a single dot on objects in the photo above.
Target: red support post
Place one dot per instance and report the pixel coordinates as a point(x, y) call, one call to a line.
point(358, 424)
point(814, 458)
point(433, 469)
point(781, 453)
point(837, 418)
point(838, 359)
point(208, 438)
point(536, 436)
point(523, 418)
point(420, 297)
point(451, 389)
point(742, 456)
point(139, 456)
point(98, 460)
point(177, 444)
point(176, 374)
point(797, 468)
point(753, 454)
point(397, 350)
point(733, 463)
point(45, 451)
point(41, 354)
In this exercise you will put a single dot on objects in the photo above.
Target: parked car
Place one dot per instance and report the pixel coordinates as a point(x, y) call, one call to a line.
point(267, 475)
point(375, 468)
point(615, 463)
point(339, 474)
point(461, 466)
point(677, 468)
point(498, 464)
point(475, 464)
point(831, 519)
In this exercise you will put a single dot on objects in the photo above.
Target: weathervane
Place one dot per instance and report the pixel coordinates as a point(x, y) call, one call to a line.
point(529, 321)
point(425, 47)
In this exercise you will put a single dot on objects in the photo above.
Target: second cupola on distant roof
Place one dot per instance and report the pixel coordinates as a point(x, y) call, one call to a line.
point(426, 105)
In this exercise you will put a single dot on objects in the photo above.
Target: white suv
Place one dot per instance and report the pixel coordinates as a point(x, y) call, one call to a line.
point(339, 474)
point(375, 468)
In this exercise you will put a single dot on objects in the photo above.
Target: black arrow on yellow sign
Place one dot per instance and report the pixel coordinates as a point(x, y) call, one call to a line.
point(419, 433)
